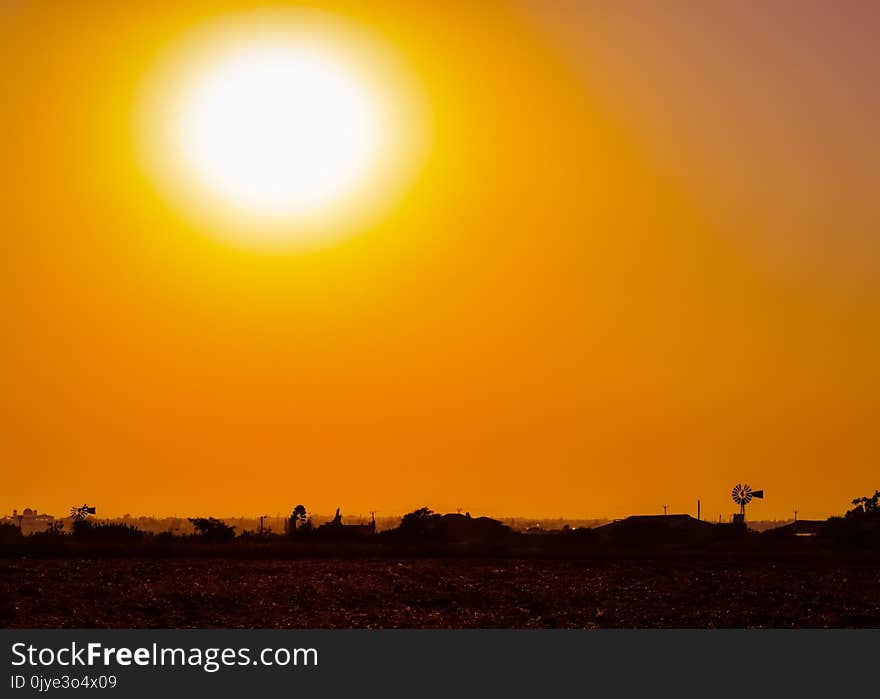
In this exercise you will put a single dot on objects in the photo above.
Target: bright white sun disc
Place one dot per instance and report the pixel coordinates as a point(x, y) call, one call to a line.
point(281, 129)
point(278, 130)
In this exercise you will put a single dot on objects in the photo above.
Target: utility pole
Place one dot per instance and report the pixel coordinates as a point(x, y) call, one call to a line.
point(795, 515)
point(664, 510)
point(698, 510)
point(262, 517)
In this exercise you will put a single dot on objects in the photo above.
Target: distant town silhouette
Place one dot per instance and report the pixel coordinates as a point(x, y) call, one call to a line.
point(857, 528)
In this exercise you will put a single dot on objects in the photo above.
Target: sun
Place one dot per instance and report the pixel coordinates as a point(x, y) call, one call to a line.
point(279, 130)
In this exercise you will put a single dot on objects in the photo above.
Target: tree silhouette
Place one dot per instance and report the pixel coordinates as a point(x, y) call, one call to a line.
point(211, 529)
point(298, 517)
point(418, 522)
point(865, 507)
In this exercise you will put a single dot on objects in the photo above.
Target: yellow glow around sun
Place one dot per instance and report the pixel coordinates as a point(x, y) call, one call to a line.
point(283, 129)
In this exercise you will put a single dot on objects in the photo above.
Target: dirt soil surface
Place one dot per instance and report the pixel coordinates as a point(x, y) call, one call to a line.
point(435, 593)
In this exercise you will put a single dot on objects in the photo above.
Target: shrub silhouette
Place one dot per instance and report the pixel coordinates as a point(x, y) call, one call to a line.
point(109, 531)
point(82, 529)
point(53, 532)
point(9, 533)
point(211, 529)
point(248, 536)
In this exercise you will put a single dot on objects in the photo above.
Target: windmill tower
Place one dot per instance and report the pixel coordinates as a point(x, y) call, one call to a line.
point(742, 495)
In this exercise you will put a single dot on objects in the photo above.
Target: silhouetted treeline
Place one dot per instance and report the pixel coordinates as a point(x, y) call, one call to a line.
point(423, 531)
point(859, 528)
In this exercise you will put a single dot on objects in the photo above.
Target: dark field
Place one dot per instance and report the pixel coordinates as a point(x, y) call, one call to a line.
point(436, 593)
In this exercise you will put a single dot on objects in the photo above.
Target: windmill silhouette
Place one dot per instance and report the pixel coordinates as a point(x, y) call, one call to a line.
point(742, 495)
point(78, 514)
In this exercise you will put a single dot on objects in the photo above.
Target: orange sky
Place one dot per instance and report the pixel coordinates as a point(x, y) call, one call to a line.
point(598, 296)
